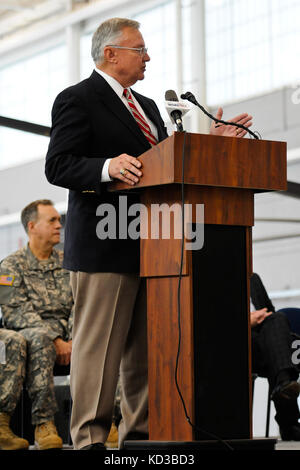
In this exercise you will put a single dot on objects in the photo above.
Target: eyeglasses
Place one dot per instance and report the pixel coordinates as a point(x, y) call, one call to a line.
point(141, 50)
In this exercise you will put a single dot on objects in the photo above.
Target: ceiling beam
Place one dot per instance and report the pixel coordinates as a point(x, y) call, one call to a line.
point(293, 190)
point(58, 24)
point(25, 16)
point(25, 126)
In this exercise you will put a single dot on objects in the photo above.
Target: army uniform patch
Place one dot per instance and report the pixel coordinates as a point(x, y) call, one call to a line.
point(6, 280)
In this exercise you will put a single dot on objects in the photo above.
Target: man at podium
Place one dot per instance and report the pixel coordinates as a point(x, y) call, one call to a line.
point(99, 127)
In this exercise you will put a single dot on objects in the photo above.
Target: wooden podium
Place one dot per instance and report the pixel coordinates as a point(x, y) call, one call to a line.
point(214, 362)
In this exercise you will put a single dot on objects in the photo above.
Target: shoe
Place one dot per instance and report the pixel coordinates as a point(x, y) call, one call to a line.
point(96, 446)
point(113, 438)
point(46, 437)
point(8, 440)
point(287, 390)
point(290, 433)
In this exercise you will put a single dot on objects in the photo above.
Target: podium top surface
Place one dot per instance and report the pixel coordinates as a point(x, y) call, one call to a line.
point(260, 165)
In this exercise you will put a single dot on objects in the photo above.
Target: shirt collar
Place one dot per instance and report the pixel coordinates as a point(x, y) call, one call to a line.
point(34, 263)
point(116, 86)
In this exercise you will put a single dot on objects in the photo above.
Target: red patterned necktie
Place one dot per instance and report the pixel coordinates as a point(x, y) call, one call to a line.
point(144, 126)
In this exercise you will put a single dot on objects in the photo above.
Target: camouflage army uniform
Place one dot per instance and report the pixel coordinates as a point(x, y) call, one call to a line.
point(36, 301)
point(12, 369)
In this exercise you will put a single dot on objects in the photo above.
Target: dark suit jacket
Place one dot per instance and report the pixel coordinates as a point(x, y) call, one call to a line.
point(89, 125)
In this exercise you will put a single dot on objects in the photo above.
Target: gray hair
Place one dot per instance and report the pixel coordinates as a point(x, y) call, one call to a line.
point(30, 212)
point(108, 33)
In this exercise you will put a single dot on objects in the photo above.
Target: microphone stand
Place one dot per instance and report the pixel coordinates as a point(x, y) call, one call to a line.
point(191, 98)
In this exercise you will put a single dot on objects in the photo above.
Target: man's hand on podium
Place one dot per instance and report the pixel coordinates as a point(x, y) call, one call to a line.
point(231, 131)
point(125, 168)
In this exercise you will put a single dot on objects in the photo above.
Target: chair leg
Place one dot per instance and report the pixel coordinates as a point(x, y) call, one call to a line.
point(70, 442)
point(268, 413)
point(22, 404)
point(253, 379)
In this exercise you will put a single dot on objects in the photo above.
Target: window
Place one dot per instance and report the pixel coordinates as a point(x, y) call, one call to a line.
point(251, 47)
point(27, 91)
point(12, 237)
point(86, 61)
point(157, 26)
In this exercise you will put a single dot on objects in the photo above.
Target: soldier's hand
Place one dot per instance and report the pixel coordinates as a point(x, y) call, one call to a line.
point(63, 351)
point(258, 316)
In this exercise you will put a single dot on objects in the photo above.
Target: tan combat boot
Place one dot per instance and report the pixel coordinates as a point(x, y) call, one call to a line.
point(112, 440)
point(46, 437)
point(8, 440)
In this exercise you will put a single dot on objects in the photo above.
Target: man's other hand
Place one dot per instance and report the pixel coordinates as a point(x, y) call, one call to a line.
point(229, 130)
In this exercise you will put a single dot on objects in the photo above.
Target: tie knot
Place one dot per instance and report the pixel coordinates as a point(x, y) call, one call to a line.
point(126, 92)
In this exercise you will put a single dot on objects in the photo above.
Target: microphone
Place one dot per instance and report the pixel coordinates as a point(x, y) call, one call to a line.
point(191, 98)
point(175, 108)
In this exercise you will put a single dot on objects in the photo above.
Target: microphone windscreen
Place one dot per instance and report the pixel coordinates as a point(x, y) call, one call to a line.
point(189, 96)
point(171, 95)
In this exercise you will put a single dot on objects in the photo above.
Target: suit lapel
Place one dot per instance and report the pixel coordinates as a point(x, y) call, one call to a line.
point(113, 102)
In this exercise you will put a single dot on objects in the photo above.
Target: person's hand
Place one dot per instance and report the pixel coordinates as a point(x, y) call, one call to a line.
point(63, 351)
point(258, 316)
point(231, 131)
point(125, 168)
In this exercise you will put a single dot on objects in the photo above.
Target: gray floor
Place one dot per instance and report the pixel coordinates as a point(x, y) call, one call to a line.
point(287, 445)
point(281, 445)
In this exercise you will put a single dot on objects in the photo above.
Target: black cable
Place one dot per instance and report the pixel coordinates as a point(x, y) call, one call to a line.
point(190, 97)
point(179, 281)
point(196, 428)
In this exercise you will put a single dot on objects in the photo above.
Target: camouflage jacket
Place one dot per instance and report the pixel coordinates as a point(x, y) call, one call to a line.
point(36, 293)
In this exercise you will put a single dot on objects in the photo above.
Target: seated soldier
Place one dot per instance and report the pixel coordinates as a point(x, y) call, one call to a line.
point(36, 301)
point(272, 358)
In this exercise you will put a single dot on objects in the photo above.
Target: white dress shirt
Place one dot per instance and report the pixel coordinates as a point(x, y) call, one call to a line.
point(119, 90)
